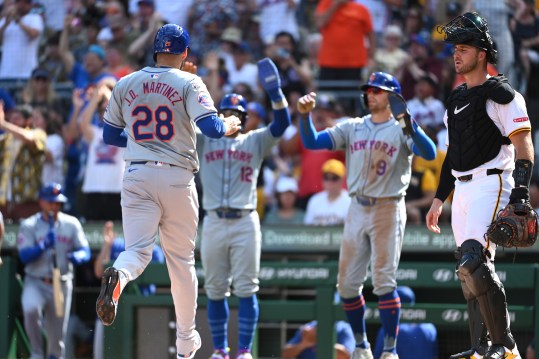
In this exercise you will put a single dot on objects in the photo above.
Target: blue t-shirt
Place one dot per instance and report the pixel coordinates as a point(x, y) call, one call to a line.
point(345, 336)
point(414, 341)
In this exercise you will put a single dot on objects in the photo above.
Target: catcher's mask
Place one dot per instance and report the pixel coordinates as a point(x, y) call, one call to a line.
point(470, 29)
point(234, 104)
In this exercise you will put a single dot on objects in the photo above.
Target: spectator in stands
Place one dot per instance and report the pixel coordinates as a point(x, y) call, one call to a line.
point(175, 12)
point(381, 14)
point(497, 13)
point(104, 165)
point(146, 23)
point(207, 20)
point(40, 92)
point(390, 56)
point(286, 212)
point(91, 71)
point(116, 63)
point(22, 154)
point(293, 65)
point(525, 31)
point(425, 108)
point(51, 61)
point(20, 31)
point(7, 100)
point(111, 247)
point(346, 26)
point(416, 341)
point(312, 44)
point(303, 344)
point(420, 63)
point(415, 22)
point(240, 69)
point(53, 168)
point(276, 17)
point(310, 164)
point(329, 207)
point(419, 194)
point(55, 11)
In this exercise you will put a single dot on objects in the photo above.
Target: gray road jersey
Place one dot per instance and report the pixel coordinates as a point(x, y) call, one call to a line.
point(229, 168)
point(70, 237)
point(378, 156)
point(158, 107)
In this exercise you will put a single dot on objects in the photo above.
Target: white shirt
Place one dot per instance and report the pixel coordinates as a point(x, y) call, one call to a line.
point(19, 52)
point(321, 212)
point(54, 171)
point(104, 166)
point(427, 112)
point(277, 16)
point(248, 74)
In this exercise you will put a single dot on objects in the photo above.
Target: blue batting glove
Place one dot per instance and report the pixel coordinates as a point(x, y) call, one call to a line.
point(49, 241)
point(269, 78)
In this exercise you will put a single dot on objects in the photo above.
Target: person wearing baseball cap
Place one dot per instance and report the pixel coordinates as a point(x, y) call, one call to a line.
point(330, 206)
point(49, 242)
point(286, 212)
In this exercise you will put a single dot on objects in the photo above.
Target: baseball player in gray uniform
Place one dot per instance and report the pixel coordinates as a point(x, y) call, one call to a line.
point(231, 237)
point(47, 240)
point(378, 167)
point(153, 113)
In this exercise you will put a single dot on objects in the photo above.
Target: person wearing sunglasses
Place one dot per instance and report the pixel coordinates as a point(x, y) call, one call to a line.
point(378, 170)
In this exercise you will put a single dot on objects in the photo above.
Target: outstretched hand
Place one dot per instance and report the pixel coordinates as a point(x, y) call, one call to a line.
point(188, 66)
point(232, 124)
point(307, 103)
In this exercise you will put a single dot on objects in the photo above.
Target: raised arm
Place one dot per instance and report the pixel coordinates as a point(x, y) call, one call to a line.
point(311, 138)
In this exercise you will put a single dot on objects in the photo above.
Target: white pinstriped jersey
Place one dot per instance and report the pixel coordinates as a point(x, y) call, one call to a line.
point(158, 107)
point(378, 156)
point(230, 166)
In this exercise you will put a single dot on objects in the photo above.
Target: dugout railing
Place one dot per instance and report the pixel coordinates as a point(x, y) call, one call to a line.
point(119, 338)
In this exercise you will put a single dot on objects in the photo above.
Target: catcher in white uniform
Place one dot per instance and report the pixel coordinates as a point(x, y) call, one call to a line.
point(231, 237)
point(378, 170)
point(487, 123)
point(153, 112)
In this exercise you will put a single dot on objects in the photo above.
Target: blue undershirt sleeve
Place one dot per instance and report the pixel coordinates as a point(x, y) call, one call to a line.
point(114, 136)
point(212, 126)
point(312, 139)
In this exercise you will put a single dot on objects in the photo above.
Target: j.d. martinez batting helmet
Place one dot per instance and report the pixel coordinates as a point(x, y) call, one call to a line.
point(170, 39)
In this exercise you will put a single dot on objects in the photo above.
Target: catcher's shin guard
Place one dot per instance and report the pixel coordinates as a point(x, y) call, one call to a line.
point(485, 285)
point(478, 329)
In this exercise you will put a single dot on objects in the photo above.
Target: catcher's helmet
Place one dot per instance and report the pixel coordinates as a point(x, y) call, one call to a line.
point(52, 192)
point(233, 101)
point(170, 39)
point(470, 29)
point(383, 81)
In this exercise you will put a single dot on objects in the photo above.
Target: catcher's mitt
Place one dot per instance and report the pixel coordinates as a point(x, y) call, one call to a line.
point(515, 226)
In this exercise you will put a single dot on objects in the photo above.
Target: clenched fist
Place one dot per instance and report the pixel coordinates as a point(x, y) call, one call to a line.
point(307, 103)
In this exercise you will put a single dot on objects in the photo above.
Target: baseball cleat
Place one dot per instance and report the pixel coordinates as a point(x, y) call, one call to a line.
point(468, 354)
point(107, 302)
point(268, 74)
point(244, 354)
point(362, 353)
point(498, 351)
point(220, 354)
point(197, 344)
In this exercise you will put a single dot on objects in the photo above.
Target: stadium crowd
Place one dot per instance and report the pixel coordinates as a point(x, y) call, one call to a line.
point(60, 59)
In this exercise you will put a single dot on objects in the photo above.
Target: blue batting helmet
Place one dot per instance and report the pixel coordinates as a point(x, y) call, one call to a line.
point(52, 192)
point(170, 39)
point(384, 81)
point(233, 101)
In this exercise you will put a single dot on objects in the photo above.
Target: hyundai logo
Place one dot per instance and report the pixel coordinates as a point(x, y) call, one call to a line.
point(452, 315)
point(442, 275)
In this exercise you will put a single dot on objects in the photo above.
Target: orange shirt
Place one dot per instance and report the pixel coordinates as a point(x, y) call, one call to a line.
point(343, 42)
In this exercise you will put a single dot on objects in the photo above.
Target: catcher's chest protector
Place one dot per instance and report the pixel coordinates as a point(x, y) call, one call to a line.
point(475, 139)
